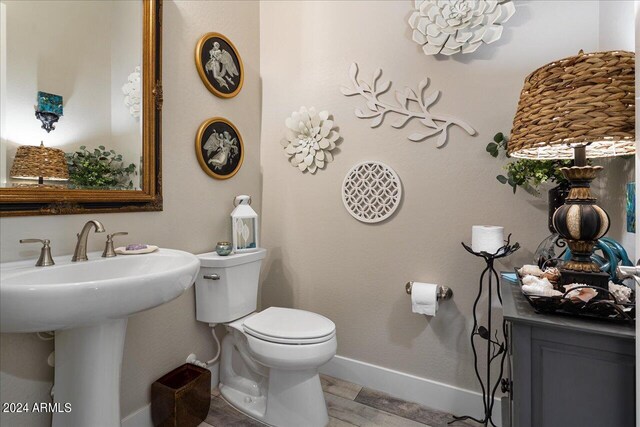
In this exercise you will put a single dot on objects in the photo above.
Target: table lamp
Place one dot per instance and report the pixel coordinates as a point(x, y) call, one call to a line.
point(576, 108)
point(39, 163)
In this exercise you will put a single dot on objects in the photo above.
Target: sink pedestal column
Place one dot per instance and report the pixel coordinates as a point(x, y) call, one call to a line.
point(87, 374)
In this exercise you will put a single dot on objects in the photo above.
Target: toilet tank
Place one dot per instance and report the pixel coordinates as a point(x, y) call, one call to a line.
point(234, 293)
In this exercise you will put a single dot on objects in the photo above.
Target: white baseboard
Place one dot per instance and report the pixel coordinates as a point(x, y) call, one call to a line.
point(432, 394)
point(140, 418)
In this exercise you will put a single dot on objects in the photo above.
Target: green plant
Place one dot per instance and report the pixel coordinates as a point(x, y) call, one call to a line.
point(99, 169)
point(525, 173)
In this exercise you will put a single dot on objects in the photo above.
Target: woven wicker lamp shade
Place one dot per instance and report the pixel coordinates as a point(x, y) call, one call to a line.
point(32, 162)
point(584, 99)
point(577, 108)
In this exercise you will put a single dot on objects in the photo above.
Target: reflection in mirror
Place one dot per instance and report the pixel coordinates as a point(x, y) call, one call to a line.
point(71, 94)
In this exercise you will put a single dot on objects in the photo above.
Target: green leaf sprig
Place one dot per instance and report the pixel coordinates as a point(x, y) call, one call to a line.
point(525, 173)
point(99, 169)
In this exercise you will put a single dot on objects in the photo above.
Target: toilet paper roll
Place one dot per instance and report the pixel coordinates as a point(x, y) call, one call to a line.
point(487, 238)
point(424, 298)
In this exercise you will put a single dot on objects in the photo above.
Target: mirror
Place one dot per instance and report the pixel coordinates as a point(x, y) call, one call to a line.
point(81, 97)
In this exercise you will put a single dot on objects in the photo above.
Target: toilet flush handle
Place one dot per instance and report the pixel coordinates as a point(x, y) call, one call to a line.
point(213, 276)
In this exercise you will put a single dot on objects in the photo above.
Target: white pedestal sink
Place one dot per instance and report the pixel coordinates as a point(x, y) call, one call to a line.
point(87, 304)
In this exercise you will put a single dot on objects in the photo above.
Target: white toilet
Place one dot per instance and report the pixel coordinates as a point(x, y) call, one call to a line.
point(270, 359)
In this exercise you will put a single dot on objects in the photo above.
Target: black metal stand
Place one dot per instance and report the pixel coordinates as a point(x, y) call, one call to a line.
point(496, 348)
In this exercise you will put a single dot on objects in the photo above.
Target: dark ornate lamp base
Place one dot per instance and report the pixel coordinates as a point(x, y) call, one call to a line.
point(580, 221)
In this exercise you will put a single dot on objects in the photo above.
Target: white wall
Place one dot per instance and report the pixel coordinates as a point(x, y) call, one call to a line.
point(323, 260)
point(617, 27)
point(126, 54)
point(3, 91)
point(637, 177)
point(195, 216)
point(617, 32)
point(74, 64)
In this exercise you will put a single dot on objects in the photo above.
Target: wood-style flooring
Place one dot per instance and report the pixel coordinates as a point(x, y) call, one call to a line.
point(349, 405)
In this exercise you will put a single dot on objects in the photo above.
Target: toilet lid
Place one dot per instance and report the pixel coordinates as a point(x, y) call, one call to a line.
point(290, 326)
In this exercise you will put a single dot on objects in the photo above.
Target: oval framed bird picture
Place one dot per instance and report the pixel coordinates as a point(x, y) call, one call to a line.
point(219, 148)
point(219, 65)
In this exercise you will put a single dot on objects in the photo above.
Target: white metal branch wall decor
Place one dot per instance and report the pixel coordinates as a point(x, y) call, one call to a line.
point(450, 26)
point(309, 139)
point(406, 100)
point(371, 192)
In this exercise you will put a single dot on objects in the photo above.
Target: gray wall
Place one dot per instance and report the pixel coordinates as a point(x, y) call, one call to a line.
point(323, 260)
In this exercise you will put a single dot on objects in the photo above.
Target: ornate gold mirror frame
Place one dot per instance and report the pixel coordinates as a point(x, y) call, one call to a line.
point(55, 201)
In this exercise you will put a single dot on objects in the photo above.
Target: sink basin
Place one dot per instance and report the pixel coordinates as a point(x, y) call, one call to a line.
point(87, 305)
point(71, 294)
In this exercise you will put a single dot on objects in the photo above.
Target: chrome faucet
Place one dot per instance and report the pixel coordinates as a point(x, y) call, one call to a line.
point(80, 253)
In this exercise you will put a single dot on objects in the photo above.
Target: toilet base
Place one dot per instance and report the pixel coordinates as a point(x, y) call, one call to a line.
point(293, 399)
point(253, 406)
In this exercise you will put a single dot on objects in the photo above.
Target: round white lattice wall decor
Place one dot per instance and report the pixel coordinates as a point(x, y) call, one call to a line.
point(371, 192)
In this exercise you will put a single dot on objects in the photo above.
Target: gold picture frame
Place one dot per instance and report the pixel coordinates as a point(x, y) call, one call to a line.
point(225, 56)
point(219, 148)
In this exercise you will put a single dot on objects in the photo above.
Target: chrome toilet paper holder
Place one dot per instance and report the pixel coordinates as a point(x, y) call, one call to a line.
point(443, 293)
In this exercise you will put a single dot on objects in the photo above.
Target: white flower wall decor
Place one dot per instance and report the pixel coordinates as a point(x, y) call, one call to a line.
point(309, 139)
point(404, 108)
point(451, 26)
point(133, 93)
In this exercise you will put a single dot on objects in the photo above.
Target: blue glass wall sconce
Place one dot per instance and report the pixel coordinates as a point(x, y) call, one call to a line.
point(48, 110)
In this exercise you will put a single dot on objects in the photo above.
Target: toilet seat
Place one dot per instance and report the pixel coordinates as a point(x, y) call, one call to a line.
point(294, 341)
point(289, 326)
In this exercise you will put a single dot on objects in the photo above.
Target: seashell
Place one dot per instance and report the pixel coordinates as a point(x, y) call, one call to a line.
point(583, 294)
point(540, 290)
point(535, 281)
point(552, 274)
point(621, 292)
point(533, 270)
point(532, 285)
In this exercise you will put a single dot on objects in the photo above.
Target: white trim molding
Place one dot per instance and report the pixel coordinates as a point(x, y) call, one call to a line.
point(140, 418)
point(432, 394)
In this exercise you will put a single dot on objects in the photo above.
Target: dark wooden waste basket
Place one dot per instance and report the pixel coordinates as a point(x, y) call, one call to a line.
point(182, 397)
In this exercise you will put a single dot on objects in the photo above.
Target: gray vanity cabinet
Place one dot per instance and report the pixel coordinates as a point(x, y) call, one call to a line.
point(567, 371)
